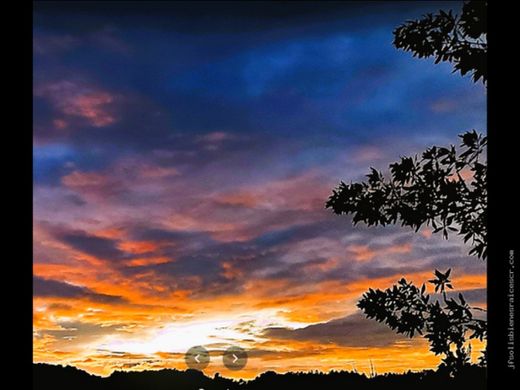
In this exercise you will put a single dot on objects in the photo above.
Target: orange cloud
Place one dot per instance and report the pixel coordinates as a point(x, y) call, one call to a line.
point(153, 298)
point(361, 252)
point(322, 302)
point(113, 233)
point(148, 261)
point(364, 253)
point(426, 232)
point(137, 247)
point(327, 265)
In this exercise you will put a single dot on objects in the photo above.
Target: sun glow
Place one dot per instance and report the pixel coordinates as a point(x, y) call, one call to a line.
point(212, 333)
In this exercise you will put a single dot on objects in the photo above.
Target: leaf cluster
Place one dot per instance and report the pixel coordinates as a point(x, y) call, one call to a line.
point(447, 324)
point(444, 188)
point(459, 39)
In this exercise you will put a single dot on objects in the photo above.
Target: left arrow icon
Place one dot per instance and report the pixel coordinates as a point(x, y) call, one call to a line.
point(197, 358)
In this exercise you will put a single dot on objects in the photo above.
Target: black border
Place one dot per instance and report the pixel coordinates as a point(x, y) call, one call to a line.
point(18, 186)
point(502, 184)
point(503, 194)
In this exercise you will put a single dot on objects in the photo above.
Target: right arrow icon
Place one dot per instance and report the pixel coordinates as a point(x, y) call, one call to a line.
point(235, 358)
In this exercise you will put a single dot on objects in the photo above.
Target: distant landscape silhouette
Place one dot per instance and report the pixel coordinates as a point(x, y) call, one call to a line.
point(57, 378)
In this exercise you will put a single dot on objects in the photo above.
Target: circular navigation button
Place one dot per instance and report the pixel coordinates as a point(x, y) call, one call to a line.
point(235, 358)
point(197, 358)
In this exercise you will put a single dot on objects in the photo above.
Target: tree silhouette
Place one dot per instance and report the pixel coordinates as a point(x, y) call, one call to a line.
point(47, 376)
point(459, 39)
point(447, 325)
point(445, 187)
point(429, 190)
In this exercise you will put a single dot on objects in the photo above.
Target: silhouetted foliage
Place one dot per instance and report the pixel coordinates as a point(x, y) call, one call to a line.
point(459, 39)
point(57, 378)
point(430, 190)
point(444, 188)
point(447, 325)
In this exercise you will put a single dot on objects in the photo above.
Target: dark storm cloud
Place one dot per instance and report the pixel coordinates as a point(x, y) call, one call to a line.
point(214, 17)
point(100, 247)
point(168, 236)
point(356, 330)
point(54, 288)
point(352, 331)
point(252, 87)
point(194, 250)
point(210, 267)
point(194, 254)
point(297, 233)
point(228, 96)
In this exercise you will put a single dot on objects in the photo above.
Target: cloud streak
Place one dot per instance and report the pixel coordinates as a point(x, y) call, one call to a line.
point(57, 289)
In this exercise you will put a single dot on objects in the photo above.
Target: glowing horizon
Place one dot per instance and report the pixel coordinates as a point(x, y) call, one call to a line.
point(181, 168)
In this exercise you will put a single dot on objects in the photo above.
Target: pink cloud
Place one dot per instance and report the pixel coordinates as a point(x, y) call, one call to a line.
point(215, 136)
point(154, 171)
point(214, 140)
point(127, 176)
point(91, 106)
point(88, 182)
point(59, 124)
point(75, 99)
point(237, 214)
point(301, 192)
point(276, 204)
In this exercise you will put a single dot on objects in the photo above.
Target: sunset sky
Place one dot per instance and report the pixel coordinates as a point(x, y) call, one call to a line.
point(183, 154)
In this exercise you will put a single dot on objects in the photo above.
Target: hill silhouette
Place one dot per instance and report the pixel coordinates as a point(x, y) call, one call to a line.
point(53, 377)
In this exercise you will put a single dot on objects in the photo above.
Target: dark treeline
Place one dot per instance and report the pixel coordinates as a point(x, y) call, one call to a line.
point(47, 377)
